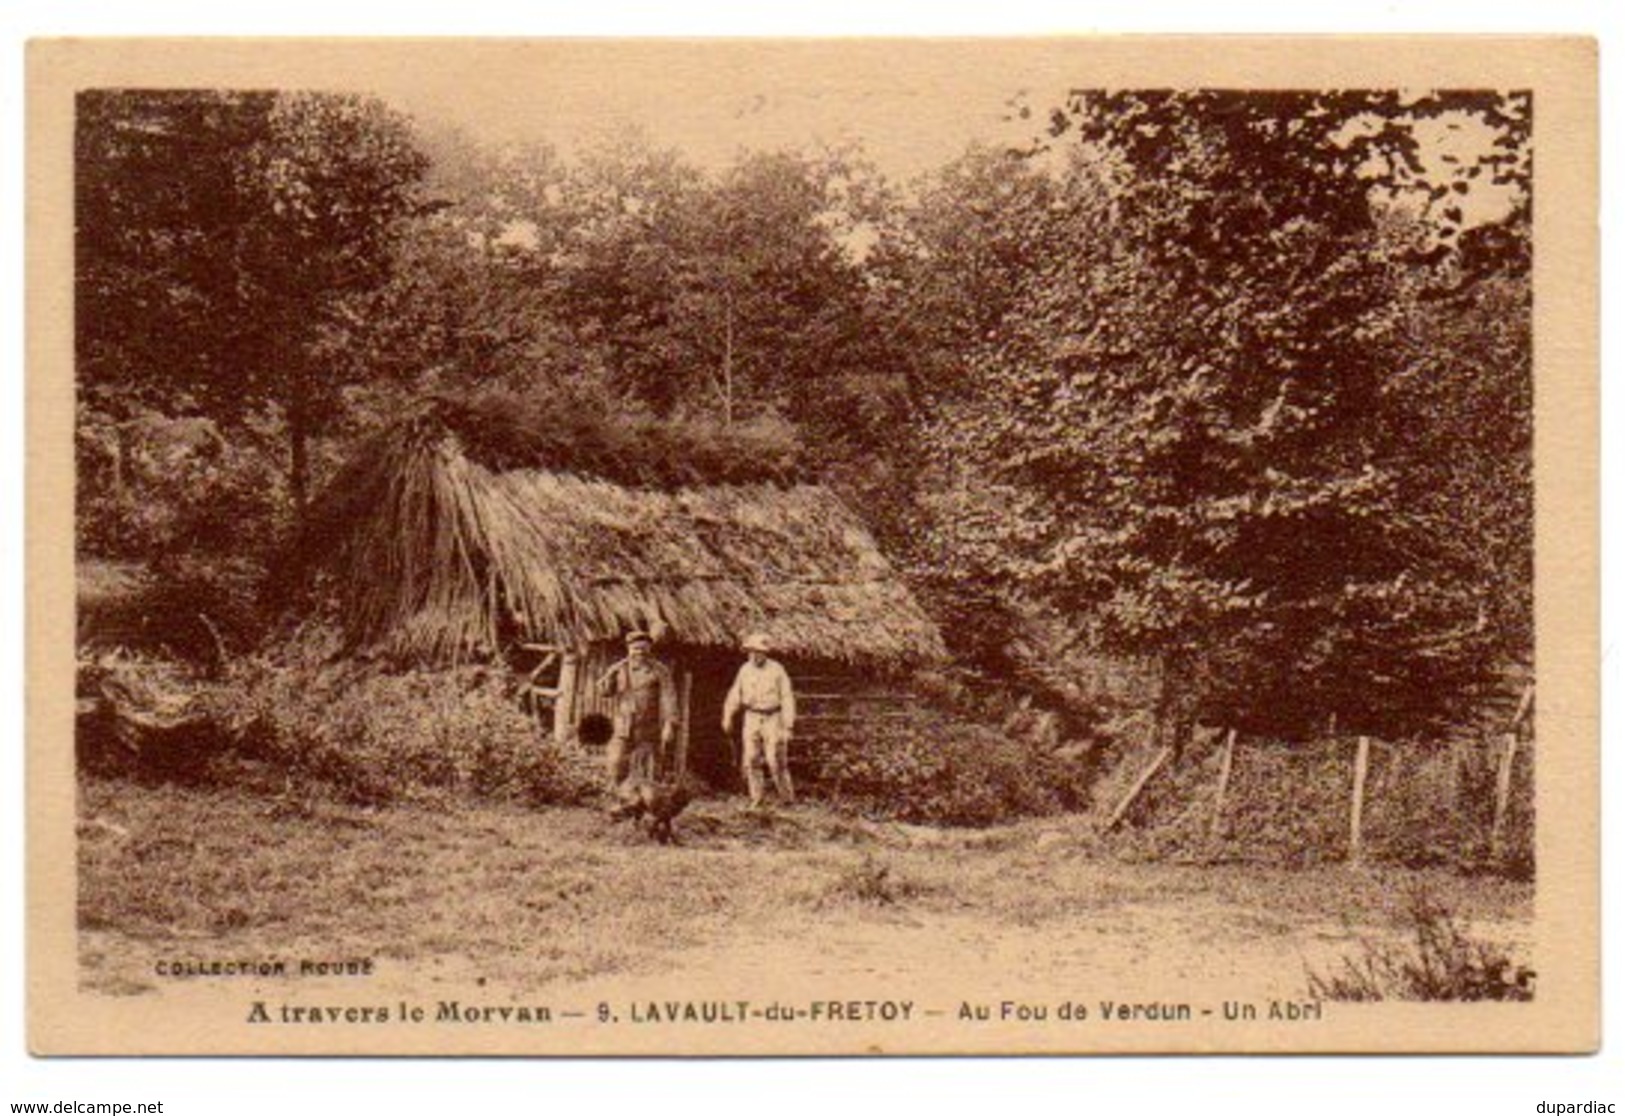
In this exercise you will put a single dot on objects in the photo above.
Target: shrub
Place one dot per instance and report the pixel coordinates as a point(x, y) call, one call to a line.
point(873, 882)
point(378, 736)
point(933, 769)
point(196, 510)
point(1284, 805)
point(1440, 963)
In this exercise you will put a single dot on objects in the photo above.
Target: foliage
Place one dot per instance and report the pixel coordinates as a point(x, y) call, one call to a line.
point(219, 234)
point(1443, 962)
point(1461, 424)
point(379, 737)
point(1285, 805)
point(1288, 804)
point(1343, 149)
point(933, 769)
point(581, 435)
point(200, 510)
point(1219, 486)
point(1239, 385)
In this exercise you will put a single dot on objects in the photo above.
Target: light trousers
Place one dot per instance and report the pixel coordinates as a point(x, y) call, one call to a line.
point(766, 740)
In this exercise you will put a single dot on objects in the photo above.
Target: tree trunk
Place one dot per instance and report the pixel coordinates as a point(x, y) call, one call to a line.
point(1175, 716)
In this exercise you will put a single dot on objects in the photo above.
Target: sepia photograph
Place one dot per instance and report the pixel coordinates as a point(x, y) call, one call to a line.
point(825, 547)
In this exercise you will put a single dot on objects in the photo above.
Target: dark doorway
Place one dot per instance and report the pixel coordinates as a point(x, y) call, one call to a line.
point(712, 756)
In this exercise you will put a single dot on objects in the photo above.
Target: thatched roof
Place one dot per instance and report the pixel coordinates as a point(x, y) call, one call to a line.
point(437, 555)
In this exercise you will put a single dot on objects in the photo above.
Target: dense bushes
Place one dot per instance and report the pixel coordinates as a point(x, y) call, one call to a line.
point(191, 516)
point(368, 736)
point(934, 769)
point(380, 737)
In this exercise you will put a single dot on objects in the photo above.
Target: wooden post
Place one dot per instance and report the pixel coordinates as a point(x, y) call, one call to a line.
point(1525, 703)
point(1226, 760)
point(1362, 759)
point(686, 715)
point(1503, 796)
point(1139, 785)
point(564, 705)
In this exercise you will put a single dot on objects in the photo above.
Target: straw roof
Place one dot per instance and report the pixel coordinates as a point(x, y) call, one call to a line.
point(438, 556)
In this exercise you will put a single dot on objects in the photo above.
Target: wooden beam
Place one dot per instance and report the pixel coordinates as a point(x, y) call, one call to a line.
point(1139, 785)
point(1362, 760)
point(564, 706)
point(547, 661)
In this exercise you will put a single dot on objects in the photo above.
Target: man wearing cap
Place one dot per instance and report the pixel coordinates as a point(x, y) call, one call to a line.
point(645, 714)
point(762, 690)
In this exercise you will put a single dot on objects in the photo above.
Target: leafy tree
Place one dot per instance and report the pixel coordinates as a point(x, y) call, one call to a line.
point(219, 235)
point(735, 295)
point(947, 272)
point(1182, 433)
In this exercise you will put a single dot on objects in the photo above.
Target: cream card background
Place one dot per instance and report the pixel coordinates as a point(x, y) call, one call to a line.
point(1577, 788)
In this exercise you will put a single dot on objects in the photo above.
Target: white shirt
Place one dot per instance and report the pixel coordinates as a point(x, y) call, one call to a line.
point(762, 689)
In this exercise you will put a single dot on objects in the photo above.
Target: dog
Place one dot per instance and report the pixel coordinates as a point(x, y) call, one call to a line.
point(656, 804)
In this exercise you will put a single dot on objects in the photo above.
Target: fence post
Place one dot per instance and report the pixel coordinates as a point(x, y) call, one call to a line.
point(1139, 785)
point(1503, 796)
point(1227, 758)
point(1362, 758)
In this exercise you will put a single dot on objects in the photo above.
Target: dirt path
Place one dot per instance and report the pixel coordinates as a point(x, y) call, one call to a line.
point(1154, 949)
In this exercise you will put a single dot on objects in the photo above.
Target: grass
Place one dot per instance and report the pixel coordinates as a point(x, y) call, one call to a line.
point(530, 897)
point(1442, 961)
point(873, 881)
point(534, 895)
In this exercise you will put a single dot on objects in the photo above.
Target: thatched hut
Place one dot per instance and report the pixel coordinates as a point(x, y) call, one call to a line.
point(495, 531)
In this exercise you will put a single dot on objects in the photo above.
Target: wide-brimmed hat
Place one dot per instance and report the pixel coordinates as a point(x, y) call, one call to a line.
point(756, 641)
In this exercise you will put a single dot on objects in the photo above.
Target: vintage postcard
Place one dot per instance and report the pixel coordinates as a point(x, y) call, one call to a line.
point(813, 547)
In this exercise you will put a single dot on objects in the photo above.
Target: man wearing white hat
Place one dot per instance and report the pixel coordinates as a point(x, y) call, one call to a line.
point(762, 690)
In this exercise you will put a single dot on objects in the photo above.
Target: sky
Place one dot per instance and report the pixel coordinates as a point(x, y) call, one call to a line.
point(912, 107)
point(712, 102)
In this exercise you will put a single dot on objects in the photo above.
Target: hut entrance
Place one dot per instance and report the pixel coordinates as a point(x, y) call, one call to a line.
point(712, 755)
point(703, 679)
point(832, 701)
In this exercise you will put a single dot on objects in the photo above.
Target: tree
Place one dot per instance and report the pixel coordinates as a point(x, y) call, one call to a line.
point(219, 235)
point(1183, 417)
point(737, 295)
